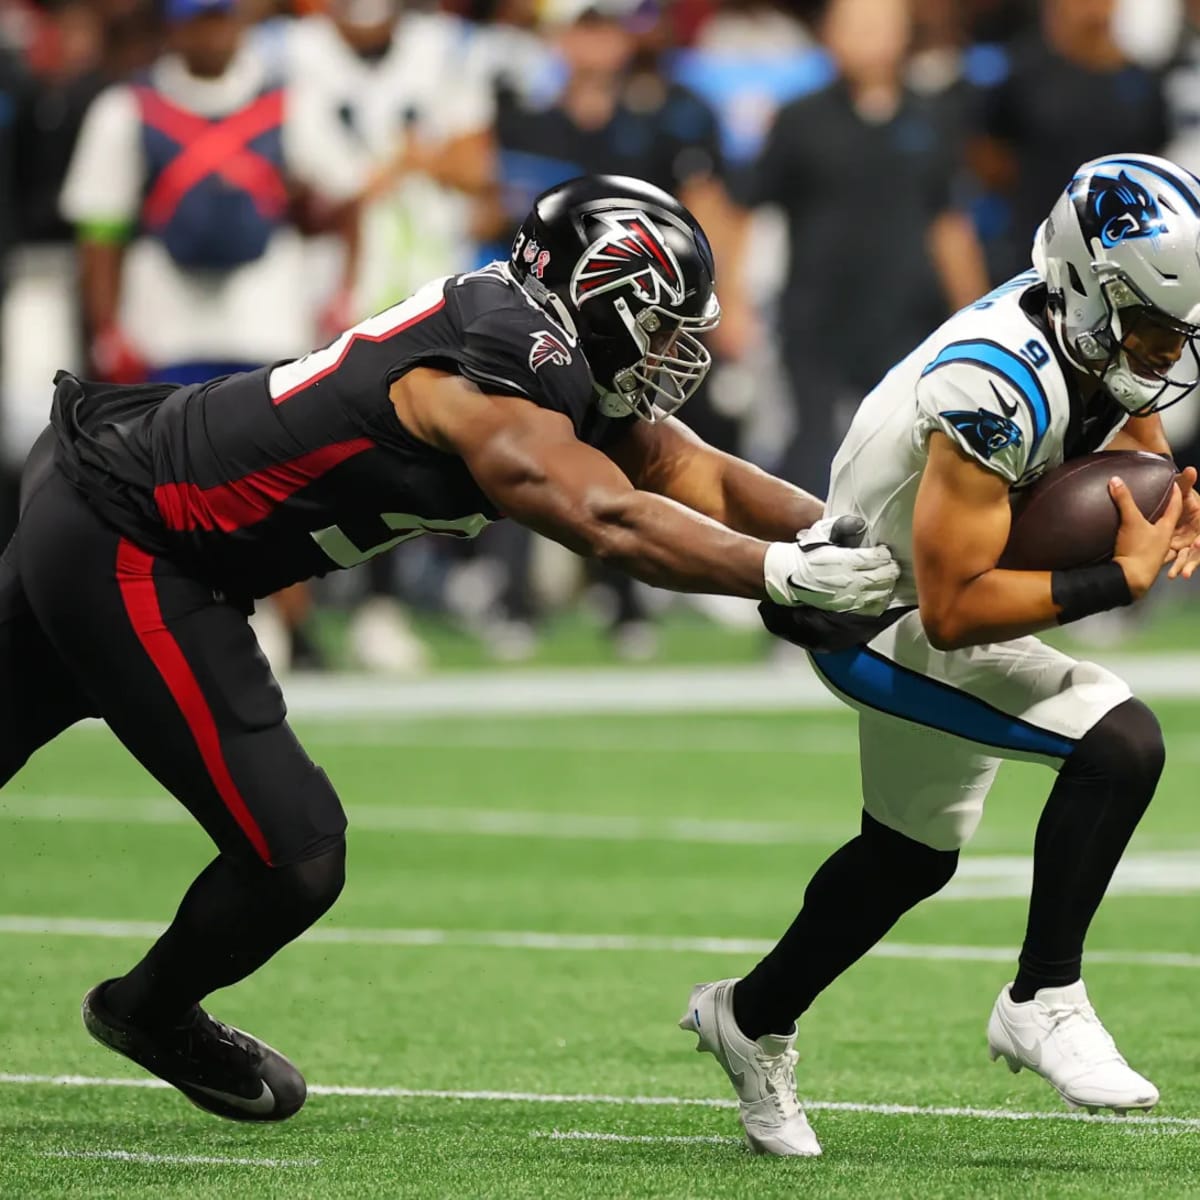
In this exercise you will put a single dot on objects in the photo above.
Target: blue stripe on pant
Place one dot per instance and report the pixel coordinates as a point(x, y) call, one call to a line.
point(876, 682)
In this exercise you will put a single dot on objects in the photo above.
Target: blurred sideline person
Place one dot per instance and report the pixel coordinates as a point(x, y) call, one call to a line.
point(380, 74)
point(182, 187)
point(750, 58)
point(900, 266)
point(40, 319)
point(615, 113)
point(1070, 94)
point(1076, 355)
point(540, 388)
point(505, 49)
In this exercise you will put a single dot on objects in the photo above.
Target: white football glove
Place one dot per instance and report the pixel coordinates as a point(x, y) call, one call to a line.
point(813, 570)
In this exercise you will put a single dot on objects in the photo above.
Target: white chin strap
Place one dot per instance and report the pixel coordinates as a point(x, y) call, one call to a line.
point(1122, 383)
point(1127, 388)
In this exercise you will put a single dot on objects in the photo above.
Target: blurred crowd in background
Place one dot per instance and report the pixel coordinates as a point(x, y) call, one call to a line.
point(192, 187)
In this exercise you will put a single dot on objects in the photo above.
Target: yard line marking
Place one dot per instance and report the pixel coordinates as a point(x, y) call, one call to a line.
point(827, 739)
point(586, 1135)
point(760, 687)
point(994, 877)
point(185, 1159)
point(1149, 871)
point(1153, 868)
point(882, 1110)
point(624, 691)
point(509, 939)
point(458, 822)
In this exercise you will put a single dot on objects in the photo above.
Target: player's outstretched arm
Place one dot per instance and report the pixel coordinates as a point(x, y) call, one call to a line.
point(960, 528)
point(671, 460)
point(531, 465)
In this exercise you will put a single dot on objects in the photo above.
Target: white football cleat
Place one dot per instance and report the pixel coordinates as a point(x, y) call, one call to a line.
point(763, 1072)
point(1058, 1035)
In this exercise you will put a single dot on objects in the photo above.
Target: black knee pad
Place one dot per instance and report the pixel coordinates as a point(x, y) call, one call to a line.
point(1125, 745)
point(317, 882)
point(907, 867)
point(303, 890)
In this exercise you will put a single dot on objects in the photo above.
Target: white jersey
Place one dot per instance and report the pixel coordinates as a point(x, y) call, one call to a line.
point(423, 87)
point(989, 379)
point(935, 724)
point(252, 313)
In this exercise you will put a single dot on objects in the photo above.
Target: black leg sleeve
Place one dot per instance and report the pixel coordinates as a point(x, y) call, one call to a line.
point(234, 917)
point(855, 897)
point(1102, 791)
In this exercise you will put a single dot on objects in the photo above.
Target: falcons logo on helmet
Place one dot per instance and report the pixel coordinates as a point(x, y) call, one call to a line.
point(631, 252)
point(547, 349)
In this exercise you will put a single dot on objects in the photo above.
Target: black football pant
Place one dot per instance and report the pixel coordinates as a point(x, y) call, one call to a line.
point(93, 625)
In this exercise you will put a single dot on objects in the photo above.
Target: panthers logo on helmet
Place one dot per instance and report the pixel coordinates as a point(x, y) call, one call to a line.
point(547, 349)
point(1116, 210)
point(630, 253)
point(987, 433)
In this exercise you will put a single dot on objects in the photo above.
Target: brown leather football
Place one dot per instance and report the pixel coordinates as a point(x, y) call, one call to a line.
point(1067, 519)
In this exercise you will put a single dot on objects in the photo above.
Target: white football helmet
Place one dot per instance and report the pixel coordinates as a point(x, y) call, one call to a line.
point(1120, 255)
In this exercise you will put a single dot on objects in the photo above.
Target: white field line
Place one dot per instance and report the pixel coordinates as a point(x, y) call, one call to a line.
point(576, 942)
point(399, 1093)
point(826, 740)
point(709, 738)
point(642, 1139)
point(457, 822)
point(132, 1156)
point(623, 690)
point(980, 877)
point(729, 737)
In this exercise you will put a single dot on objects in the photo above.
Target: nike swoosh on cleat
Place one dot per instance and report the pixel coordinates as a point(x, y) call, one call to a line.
point(262, 1104)
point(1031, 1051)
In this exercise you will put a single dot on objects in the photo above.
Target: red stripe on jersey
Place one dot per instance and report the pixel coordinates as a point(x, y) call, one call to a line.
point(135, 578)
point(241, 502)
point(360, 337)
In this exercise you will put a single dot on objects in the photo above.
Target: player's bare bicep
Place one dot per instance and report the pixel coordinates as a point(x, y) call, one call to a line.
point(961, 519)
point(536, 471)
point(654, 455)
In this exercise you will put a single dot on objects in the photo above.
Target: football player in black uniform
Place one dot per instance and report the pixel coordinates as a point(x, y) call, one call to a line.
point(540, 389)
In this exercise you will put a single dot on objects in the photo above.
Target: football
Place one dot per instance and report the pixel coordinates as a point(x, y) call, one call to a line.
point(1067, 519)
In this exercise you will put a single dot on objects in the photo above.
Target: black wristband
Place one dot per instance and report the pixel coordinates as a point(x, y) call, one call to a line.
point(1087, 590)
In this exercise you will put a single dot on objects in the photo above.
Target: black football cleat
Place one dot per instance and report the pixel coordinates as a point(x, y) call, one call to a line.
point(218, 1068)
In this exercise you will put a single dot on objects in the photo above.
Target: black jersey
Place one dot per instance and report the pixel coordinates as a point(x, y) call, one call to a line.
point(258, 480)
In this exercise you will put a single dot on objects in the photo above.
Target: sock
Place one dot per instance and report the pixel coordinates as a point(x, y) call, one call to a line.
point(1101, 792)
point(855, 897)
point(234, 917)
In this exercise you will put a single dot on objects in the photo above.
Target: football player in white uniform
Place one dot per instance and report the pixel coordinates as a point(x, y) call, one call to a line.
point(1073, 356)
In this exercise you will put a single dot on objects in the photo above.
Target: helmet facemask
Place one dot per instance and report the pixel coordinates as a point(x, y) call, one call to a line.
point(672, 364)
point(1146, 359)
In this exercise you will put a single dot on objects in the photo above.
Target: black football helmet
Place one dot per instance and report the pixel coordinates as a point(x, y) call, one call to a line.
point(627, 270)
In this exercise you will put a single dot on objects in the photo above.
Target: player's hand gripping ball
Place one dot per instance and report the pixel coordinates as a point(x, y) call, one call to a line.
point(1068, 519)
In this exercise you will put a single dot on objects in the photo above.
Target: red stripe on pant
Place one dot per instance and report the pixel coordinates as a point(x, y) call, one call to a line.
point(135, 578)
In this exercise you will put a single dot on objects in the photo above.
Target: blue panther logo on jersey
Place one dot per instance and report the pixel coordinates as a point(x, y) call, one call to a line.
point(987, 433)
point(1117, 210)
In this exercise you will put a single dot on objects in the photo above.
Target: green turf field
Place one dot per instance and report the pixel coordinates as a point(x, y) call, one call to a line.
point(631, 846)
